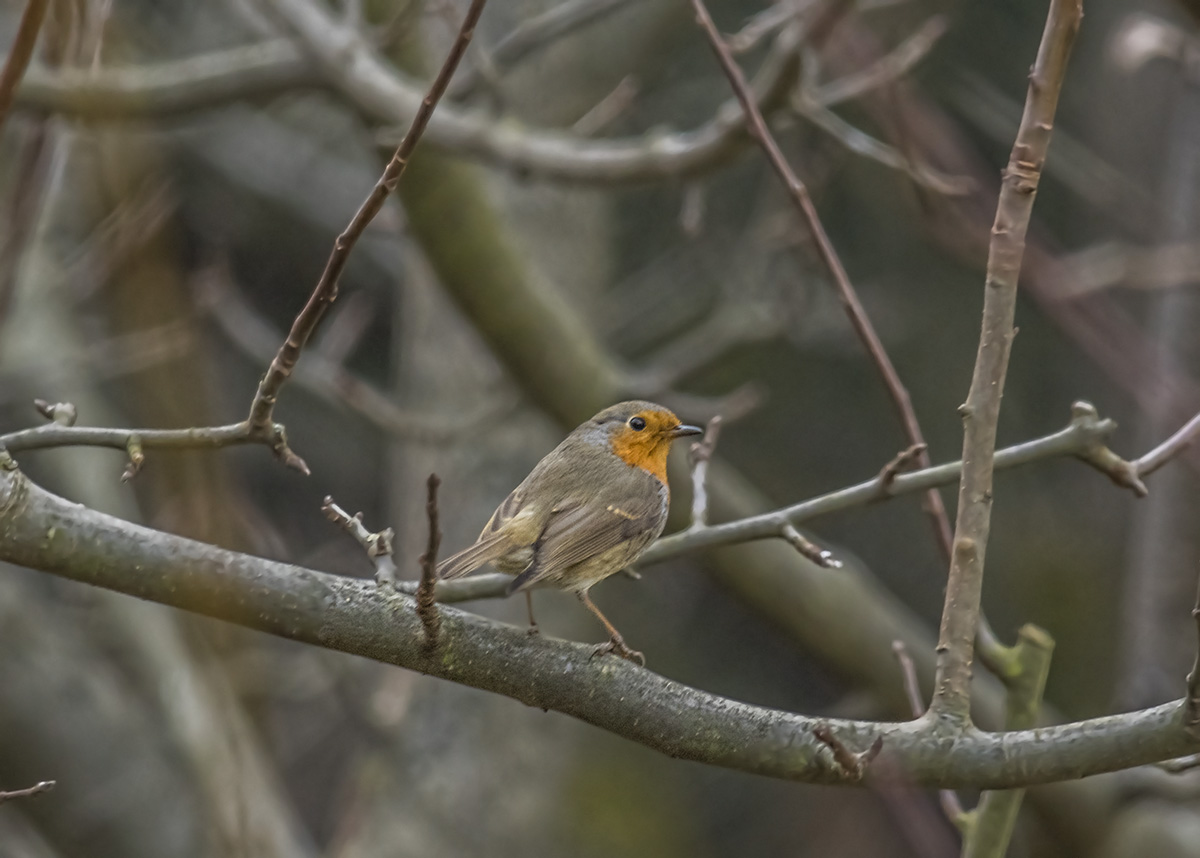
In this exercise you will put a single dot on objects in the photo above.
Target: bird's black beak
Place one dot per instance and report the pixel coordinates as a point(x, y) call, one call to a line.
point(683, 430)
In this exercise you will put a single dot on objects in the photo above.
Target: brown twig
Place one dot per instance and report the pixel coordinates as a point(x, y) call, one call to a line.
point(903, 461)
point(948, 798)
point(981, 412)
point(263, 405)
point(28, 792)
point(799, 196)
point(427, 608)
point(699, 454)
point(379, 546)
point(20, 54)
point(854, 764)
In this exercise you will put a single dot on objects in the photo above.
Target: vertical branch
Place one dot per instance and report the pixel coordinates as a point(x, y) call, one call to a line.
point(426, 602)
point(989, 827)
point(263, 406)
point(800, 198)
point(1191, 715)
point(20, 54)
point(981, 412)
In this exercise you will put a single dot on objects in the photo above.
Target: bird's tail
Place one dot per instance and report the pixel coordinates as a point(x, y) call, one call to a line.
point(487, 549)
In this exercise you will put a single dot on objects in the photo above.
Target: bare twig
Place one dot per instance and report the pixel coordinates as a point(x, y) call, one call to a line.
point(981, 412)
point(28, 792)
point(903, 461)
point(948, 798)
point(854, 764)
point(1168, 449)
point(816, 554)
point(427, 608)
point(379, 546)
point(887, 69)
point(799, 196)
point(1191, 712)
point(699, 454)
point(263, 405)
point(20, 53)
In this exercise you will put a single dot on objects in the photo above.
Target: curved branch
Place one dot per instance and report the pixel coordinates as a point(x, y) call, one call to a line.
point(171, 88)
point(348, 64)
point(42, 531)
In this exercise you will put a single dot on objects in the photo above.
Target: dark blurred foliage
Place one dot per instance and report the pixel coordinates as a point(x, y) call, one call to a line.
point(153, 238)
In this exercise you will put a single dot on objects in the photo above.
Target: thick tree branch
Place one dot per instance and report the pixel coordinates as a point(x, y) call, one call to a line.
point(42, 531)
point(981, 413)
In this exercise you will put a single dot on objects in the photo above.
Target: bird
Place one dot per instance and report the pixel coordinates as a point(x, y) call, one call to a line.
point(586, 510)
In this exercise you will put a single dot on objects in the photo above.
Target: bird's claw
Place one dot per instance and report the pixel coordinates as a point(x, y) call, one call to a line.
point(618, 647)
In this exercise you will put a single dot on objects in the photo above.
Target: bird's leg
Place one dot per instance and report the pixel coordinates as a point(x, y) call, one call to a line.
point(616, 643)
point(533, 626)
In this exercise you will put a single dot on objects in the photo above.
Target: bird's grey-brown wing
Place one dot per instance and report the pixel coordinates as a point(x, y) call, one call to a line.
point(494, 542)
point(578, 531)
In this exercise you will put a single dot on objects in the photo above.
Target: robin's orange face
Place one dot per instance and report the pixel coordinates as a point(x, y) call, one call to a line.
point(644, 439)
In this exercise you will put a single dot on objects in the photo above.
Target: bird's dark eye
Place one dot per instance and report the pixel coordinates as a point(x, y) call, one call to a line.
point(637, 424)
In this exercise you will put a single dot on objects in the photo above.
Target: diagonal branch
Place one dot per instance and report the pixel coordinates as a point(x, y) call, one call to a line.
point(263, 405)
point(981, 412)
point(799, 196)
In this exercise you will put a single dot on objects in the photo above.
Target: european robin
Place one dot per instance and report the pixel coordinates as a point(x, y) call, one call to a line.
point(586, 510)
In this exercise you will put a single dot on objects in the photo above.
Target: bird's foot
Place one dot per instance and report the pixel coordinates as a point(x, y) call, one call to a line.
point(533, 630)
point(617, 646)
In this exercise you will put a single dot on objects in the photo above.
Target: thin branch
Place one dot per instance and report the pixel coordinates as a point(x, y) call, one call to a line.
point(56, 435)
point(380, 547)
point(699, 454)
point(427, 609)
point(1168, 449)
point(981, 412)
point(37, 789)
point(1191, 715)
point(947, 798)
point(887, 69)
point(325, 292)
point(809, 550)
point(1085, 432)
point(20, 54)
point(798, 194)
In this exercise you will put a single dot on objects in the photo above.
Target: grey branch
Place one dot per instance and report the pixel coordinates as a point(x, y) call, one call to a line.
point(45, 532)
point(981, 412)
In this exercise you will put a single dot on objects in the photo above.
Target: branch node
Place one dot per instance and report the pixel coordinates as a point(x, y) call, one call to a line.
point(62, 413)
point(699, 455)
point(427, 608)
point(29, 792)
point(903, 461)
point(136, 457)
point(379, 546)
point(853, 764)
point(820, 556)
